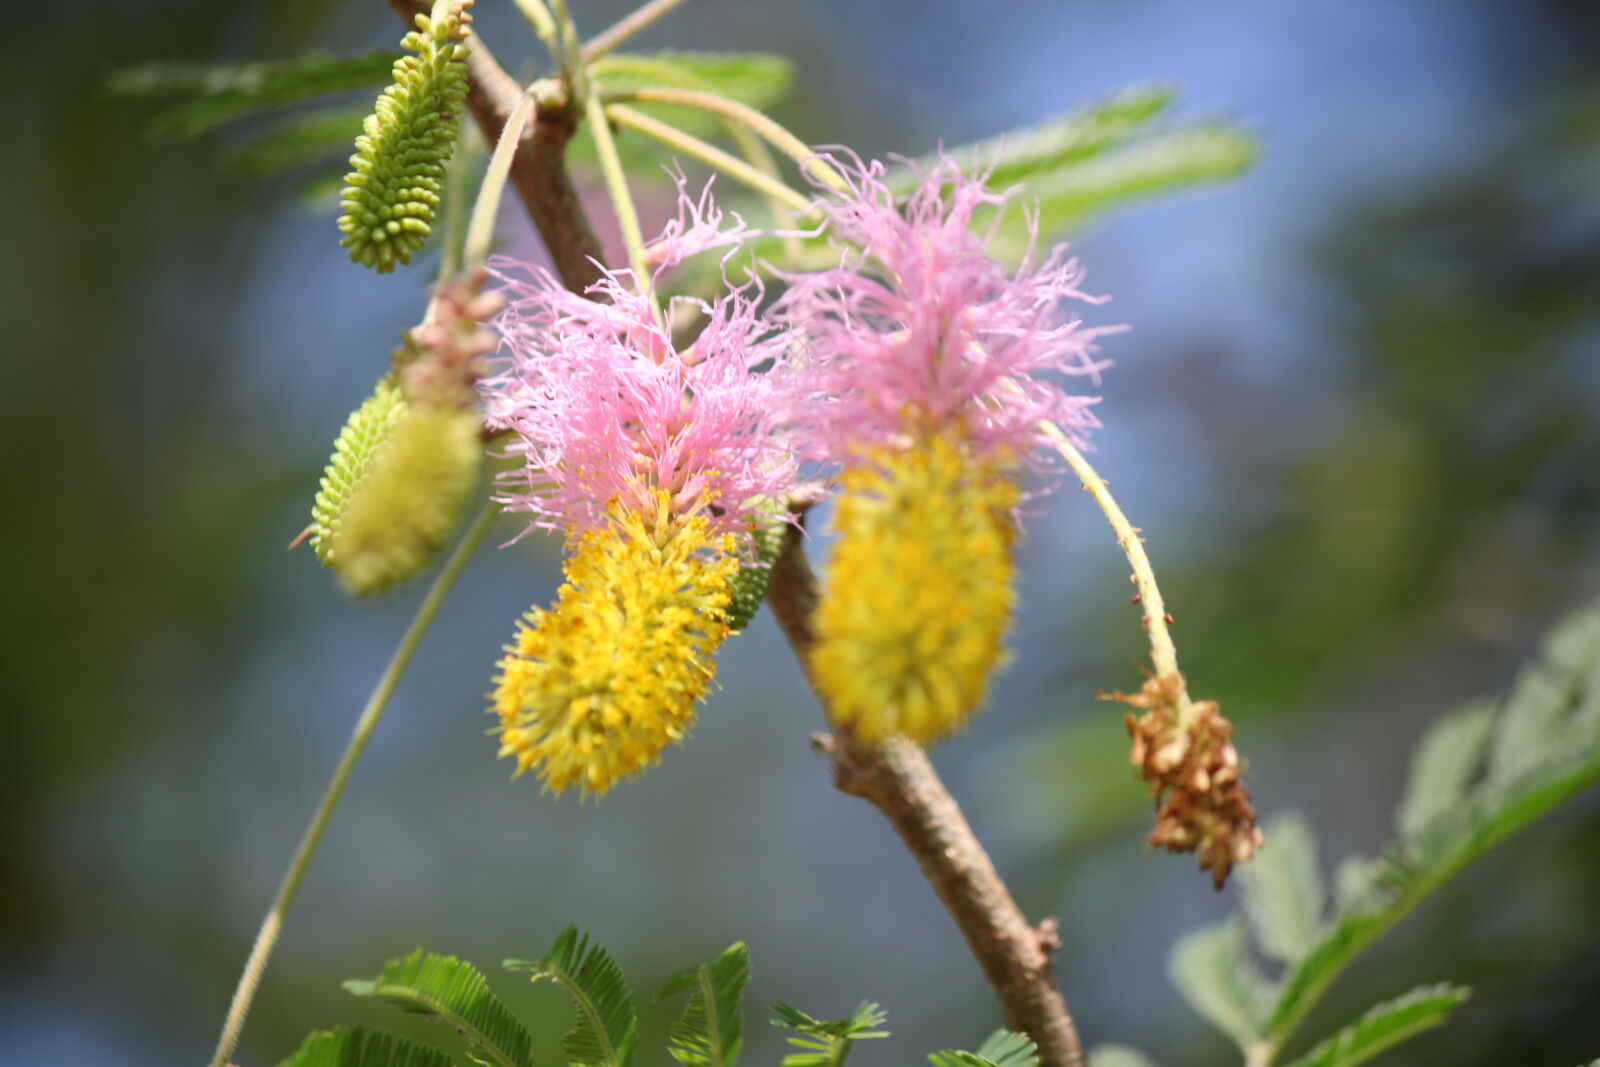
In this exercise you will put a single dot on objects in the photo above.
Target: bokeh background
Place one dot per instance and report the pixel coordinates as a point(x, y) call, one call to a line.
point(1356, 417)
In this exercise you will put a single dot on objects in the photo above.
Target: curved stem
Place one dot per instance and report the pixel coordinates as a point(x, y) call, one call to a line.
point(778, 136)
point(480, 233)
point(272, 925)
point(708, 154)
point(1163, 653)
point(627, 27)
point(621, 199)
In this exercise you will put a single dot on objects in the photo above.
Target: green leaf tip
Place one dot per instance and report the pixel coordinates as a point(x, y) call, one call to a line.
point(1003, 1048)
point(750, 584)
point(398, 170)
point(455, 992)
point(1386, 1025)
point(827, 1041)
point(710, 1031)
point(355, 1046)
point(607, 1024)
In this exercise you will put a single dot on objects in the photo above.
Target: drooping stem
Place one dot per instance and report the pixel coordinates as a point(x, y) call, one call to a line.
point(627, 27)
point(481, 231)
point(272, 925)
point(1163, 653)
point(779, 137)
point(899, 781)
point(708, 154)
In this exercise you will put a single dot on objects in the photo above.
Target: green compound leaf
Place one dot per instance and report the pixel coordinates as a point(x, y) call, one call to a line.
point(828, 1042)
point(222, 92)
point(1118, 1056)
point(1003, 1048)
point(357, 445)
point(1386, 1025)
point(1283, 893)
point(709, 1033)
point(1214, 973)
point(355, 1046)
point(392, 193)
point(750, 584)
point(1545, 751)
point(606, 1026)
point(455, 992)
point(408, 501)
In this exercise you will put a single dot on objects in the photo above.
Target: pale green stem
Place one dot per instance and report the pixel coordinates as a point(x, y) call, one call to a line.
point(573, 55)
point(709, 154)
point(627, 27)
point(621, 199)
point(1163, 653)
point(755, 150)
point(454, 201)
point(261, 951)
point(480, 234)
point(776, 135)
point(544, 27)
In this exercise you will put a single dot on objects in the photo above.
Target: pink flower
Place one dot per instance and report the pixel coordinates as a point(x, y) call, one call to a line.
point(605, 408)
point(920, 328)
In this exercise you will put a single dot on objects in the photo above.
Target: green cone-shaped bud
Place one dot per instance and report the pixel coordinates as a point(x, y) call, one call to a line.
point(364, 434)
point(409, 501)
point(390, 195)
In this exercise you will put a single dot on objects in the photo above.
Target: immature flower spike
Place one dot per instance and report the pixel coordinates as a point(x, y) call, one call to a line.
point(392, 192)
point(924, 369)
point(592, 690)
point(364, 434)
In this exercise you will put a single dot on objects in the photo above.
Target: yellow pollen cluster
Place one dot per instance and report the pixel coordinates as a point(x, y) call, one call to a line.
point(593, 689)
point(919, 590)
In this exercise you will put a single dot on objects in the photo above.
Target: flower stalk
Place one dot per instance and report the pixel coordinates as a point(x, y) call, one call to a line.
point(267, 939)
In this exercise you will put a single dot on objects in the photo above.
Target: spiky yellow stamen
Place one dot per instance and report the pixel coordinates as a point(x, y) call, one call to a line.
point(593, 689)
point(919, 589)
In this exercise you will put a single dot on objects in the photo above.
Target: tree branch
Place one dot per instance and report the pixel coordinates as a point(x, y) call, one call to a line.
point(898, 780)
point(539, 172)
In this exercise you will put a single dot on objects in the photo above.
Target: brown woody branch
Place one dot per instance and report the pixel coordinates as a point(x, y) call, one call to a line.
point(538, 170)
point(898, 780)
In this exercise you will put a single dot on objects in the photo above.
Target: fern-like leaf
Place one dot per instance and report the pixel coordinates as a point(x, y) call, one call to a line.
point(607, 1026)
point(454, 991)
point(410, 499)
point(1003, 1048)
point(222, 92)
point(1386, 1025)
point(710, 1031)
point(358, 444)
point(393, 190)
point(826, 1042)
point(355, 1046)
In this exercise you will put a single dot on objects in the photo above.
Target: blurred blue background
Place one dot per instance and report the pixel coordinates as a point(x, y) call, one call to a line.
point(1355, 417)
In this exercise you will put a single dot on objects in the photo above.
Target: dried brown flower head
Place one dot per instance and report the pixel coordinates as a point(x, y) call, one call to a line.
point(1184, 751)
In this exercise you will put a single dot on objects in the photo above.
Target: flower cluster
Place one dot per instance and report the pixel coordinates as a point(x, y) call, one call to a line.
point(928, 369)
point(655, 463)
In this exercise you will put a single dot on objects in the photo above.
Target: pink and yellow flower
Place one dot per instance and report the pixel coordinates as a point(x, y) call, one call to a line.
point(925, 369)
point(653, 461)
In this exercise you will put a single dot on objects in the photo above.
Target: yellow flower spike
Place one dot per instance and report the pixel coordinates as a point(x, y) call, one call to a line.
point(595, 687)
point(920, 590)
